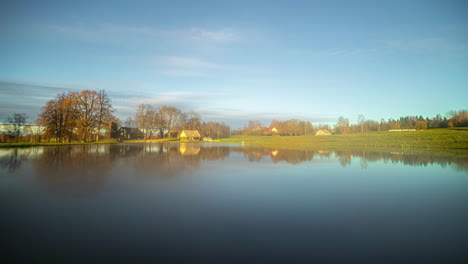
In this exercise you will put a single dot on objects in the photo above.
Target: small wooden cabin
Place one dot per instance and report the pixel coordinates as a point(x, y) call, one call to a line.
point(273, 129)
point(189, 135)
point(323, 132)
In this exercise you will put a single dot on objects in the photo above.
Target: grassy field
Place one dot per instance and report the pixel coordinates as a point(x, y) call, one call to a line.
point(453, 138)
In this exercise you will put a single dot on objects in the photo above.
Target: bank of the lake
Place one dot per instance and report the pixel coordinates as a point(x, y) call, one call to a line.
point(455, 139)
point(104, 141)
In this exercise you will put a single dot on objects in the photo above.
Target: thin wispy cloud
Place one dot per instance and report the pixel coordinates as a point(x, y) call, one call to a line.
point(222, 35)
point(185, 66)
point(178, 97)
point(17, 97)
point(188, 63)
point(181, 73)
point(109, 32)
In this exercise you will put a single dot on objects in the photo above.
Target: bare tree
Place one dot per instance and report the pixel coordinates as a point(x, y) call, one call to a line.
point(193, 121)
point(144, 120)
point(308, 128)
point(16, 124)
point(361, 120)
point(36, 130)
point(104, 112)
point(342, 125)
point(129, 122)
point(170, 116)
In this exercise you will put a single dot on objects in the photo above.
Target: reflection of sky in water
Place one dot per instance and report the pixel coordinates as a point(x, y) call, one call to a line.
point(195, 202)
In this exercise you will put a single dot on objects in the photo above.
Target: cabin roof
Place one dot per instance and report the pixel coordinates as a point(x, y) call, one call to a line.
point(189, 133)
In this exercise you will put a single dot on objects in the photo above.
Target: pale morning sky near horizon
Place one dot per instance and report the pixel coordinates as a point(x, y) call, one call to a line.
point(236, 61)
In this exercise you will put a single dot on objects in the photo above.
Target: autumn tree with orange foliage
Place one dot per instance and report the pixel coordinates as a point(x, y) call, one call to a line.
point(77, 116)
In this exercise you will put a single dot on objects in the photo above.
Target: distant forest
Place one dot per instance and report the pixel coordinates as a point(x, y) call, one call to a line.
point(295, 127)
point(88, 116)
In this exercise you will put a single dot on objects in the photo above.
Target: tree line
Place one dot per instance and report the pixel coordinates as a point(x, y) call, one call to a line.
point(292, 127)
point(89, 116)
point(295, 127)
point(455, 119)
point(74, 116)
point(152, 122)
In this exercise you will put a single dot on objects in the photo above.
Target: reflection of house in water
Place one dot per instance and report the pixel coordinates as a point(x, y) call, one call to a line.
point(273, 153)
point(85, 169)
point(189, 149)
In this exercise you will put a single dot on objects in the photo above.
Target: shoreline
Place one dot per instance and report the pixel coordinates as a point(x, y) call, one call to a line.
point(454, 139)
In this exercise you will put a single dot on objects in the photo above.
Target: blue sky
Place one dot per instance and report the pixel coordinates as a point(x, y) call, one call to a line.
point(236, 61)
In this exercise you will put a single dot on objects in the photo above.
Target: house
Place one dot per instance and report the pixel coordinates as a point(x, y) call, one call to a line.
point(189, 135)
point(323, 132)
point(273, 129)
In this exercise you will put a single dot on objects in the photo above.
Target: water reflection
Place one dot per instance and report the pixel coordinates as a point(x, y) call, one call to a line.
point(72, 170)
point(195, 199)
point(166, 160)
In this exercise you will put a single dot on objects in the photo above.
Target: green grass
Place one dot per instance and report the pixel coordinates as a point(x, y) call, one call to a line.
point(453, 138)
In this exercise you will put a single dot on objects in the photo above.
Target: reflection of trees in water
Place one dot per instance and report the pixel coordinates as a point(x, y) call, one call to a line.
point(169, 160)
point(418, 159)
point(292, 157)
point(12, 160)
point(83, 169)
point(164, 160)
point(412, 159)
point(255, 154)
point(73, 170)
point(345, 157)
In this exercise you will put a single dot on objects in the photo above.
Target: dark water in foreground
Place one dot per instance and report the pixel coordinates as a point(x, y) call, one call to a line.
point(219, 204)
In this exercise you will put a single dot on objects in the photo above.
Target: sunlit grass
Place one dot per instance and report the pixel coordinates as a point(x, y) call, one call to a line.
point(449, 138)
point(455, 138)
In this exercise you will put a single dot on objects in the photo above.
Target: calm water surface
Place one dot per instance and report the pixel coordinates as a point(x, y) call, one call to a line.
point(221, 203)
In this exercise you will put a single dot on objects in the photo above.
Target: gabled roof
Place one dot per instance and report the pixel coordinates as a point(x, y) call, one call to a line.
point(189, 133)
point(323, 132)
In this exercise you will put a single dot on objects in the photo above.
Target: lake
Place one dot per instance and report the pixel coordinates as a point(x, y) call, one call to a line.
point(231, 203)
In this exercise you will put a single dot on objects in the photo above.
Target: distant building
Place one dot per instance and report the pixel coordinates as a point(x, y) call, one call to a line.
point(25, 129)
point(273, 129)
point(189, 135)
point(130, 133)
point(323, 132)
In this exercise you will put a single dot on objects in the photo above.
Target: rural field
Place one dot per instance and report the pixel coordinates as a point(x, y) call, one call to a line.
point(443, 139)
